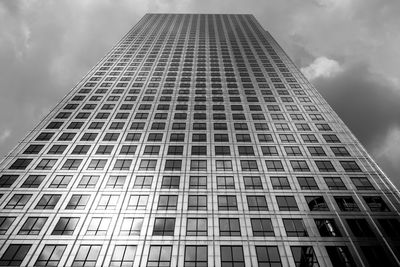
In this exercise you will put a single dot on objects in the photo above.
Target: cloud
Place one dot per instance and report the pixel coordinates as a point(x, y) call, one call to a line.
point(4, 135)
point(321, 67)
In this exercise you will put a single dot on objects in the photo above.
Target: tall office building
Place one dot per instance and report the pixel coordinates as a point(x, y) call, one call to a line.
point(195, 142)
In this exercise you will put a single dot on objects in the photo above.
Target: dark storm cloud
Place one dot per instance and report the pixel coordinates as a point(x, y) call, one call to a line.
point(47, 46)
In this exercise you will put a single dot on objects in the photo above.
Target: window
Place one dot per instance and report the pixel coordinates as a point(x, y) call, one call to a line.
point(71, 164)
point(295, 227)
point(269, 151)
point(164, 226)
point(65, 226)
point(287, 138)
point(198, 165)
point(175, 150)
point(293, 151)
point(304, 255)
point(196, 256)
point(7, 180)
point(197, 202)
point(131, 226)
point(159, 256)
point(33, 181)
point(376, 203)
point(170, 182)
point(340, 151)
point(280, 182)
point(252, 182)
point(50, 255)
point(229, 227)
point(257, 203)
point(221, 138)
point(46, 164)
point(287, 203)
point(14, 255)
point(334, 183)
point(262, 227)
point(316, 151)
point(246, 150)
point(346, 204)
point(123, 255)
point(327, 228)
point(268, 256)
point(147, 165)
point(87, 255)
point(199, 138)
point(232, 256)
point(104, 150)
point(122, 164)
point(376, 256)
point(331, 138)
point(360, 228)
point(243, 138)
point(61, 181)
point(316, 203)
point(325, 166)
point(98, 226)
point(222, 150)
point(227, 203)
point(33, 149)
point(116, 181)
point(299, 166)
point(5, 223)
point(390, 226)
point(196, 227)
point(80, 149)
point(18, 201)
point(307, 183)
point(138, 202)
point(107, 202)
point(340, 256)
point(350, 166)
point(198, 182)
point(265, 138)
point(77, 202)
point(362, 183)
point(32, 226)
point(20, 164)
point(223, 165)
point(97, 164)
point(88, 181)
point(249, 165)
point(167, 202)
point(128, 150)
point(173, 165)
point(199, 150)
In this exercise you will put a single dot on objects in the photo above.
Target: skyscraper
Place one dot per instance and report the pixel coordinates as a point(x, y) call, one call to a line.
point(195, 142)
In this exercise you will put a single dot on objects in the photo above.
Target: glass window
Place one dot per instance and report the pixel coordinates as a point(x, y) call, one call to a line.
point(376, 203)
point(252, 182)
point(280, 182)
point(340, 256)
point(87, 255)
point(88, 181)
point(227, 203)
point(77, 202)
point(229, 227)
point(302, 254)
point(307, 183)
point(170, 182)
point(295, 227)
point(327, 228)
point(18, 201)
point(334, 183)
point(61, 181)
point(262, 227)
point(196, 256)
point(167, 202)
point(14, 255)
point(159, 256)
point(232, 256)
point(257, 203)
point(65, 226)
point(316, 203)
point(268, 256)
point(196, 227)
point(131, 226)
point(164, 226)
point(360, 228)
point(33, 181)
point(5, 223)
point(123, 255)
point(346, 203)
point(7, 180)
point(198, 182)
point(197, 202)
point(32, 226)
point(287, 203)
point(98, 226)
point(138, 202)
point(362, 183)
point(50, 255)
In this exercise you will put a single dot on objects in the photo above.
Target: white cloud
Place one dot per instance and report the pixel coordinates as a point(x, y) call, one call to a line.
point(322, 67)
point(4, 135)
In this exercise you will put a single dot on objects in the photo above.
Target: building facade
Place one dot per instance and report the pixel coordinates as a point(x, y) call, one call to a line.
point(195, 142)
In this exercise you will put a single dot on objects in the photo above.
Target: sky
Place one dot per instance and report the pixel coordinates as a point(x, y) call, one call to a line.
point(349, 49)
